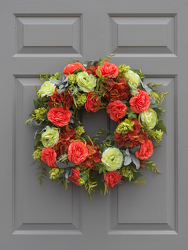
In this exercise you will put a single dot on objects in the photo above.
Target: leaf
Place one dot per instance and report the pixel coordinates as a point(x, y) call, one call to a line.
point(110, 138)
point(154, 105)
point(78, 70)
point(133, 150)
point(158, 111)
point(125, 179)
point(71, 164)
point(62, 164)
point(127, 160)
point(98, 178)
point(130, 113)
point(84, 175)
point(160, 126)
point(86, 114)
point(136, 161)
point(123, 152)
point(136, 175)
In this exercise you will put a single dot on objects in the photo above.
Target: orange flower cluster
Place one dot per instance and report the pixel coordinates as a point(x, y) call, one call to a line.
point(93, 156)
point(65, 138)
point(64, 100)
point(117, 90)
point(132, 138)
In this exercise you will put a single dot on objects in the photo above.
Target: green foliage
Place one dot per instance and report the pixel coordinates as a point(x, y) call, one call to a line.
point(160, 126)
point(129, 173)
point(151, 165)
point(130, 113)
point(101, 167)
point(43, 172)
point(89, 186)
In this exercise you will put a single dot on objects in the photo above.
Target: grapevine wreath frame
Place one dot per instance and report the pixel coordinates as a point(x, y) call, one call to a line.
point(62, 148)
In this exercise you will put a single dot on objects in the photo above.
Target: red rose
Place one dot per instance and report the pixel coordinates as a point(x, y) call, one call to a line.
point(140, 102)
point(116, 110)
point(108, 70)
point(77, 152)
point(75, 176)
point(145, 151)
point(48, 156)
point(59, 116)
point(112, 178)
point(70, 68)
point(93, 104)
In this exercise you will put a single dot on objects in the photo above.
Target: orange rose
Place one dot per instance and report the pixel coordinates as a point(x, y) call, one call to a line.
point(75, 176)
point(70, 68)
point(112, 178)
point(140, 102)
point(145, 151)
point(116, 110)
point(93, 104)
point(48, 156)
point(77, 152)
point(59, 116)
point(108, 70)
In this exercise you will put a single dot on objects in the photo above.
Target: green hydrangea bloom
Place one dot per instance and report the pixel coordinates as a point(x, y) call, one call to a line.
point(125, 126)
point(36, 154)
point(86, 82)
point(112, 159)
point(157, 135)
point(72, 79)
point(79, 130)
point(133, 79)
point(155, 95)
point(39, 113)
point(123, 69)
point(50, 137)
point(46, 89)
point(55, 173)
point(81, 99)
point(63, 157)
point(56, 76)
point(149, 118)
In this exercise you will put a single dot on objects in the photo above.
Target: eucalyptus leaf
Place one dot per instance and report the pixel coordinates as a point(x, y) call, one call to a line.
point(133, 150)
point(62, 165)
point(127, 160)
point(56, 82)
point(145, 87)
point(67, 173)
point(152, 100)
point(71, 164)
point(35, 124)
point(136, 161)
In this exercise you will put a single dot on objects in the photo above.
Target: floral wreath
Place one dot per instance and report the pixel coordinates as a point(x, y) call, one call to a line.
point(68, 155)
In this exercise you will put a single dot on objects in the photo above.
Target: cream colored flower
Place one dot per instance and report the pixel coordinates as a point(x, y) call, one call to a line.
point(46, 89)
point(112, 159)
point(86, 82)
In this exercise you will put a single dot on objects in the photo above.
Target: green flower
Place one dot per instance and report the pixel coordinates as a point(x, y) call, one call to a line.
point(72, 79)
point(157, 135)
point(86, 82)
point(56, 76)
point(81, 99)
point(112, 159)
point(50, 137)
point(155, 95)
point(123, 69)
point(37, 153)
point(63, 158)
point(55, 173)
point(46, 89)
point(149, 118)
point(39, 113)
point(79, 130)
point(125, 126)
point(133, 79)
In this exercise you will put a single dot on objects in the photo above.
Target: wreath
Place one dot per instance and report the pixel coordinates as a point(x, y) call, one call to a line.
point(62, 148)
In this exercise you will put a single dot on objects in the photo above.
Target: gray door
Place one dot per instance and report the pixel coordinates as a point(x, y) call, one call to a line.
point(37, 36)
